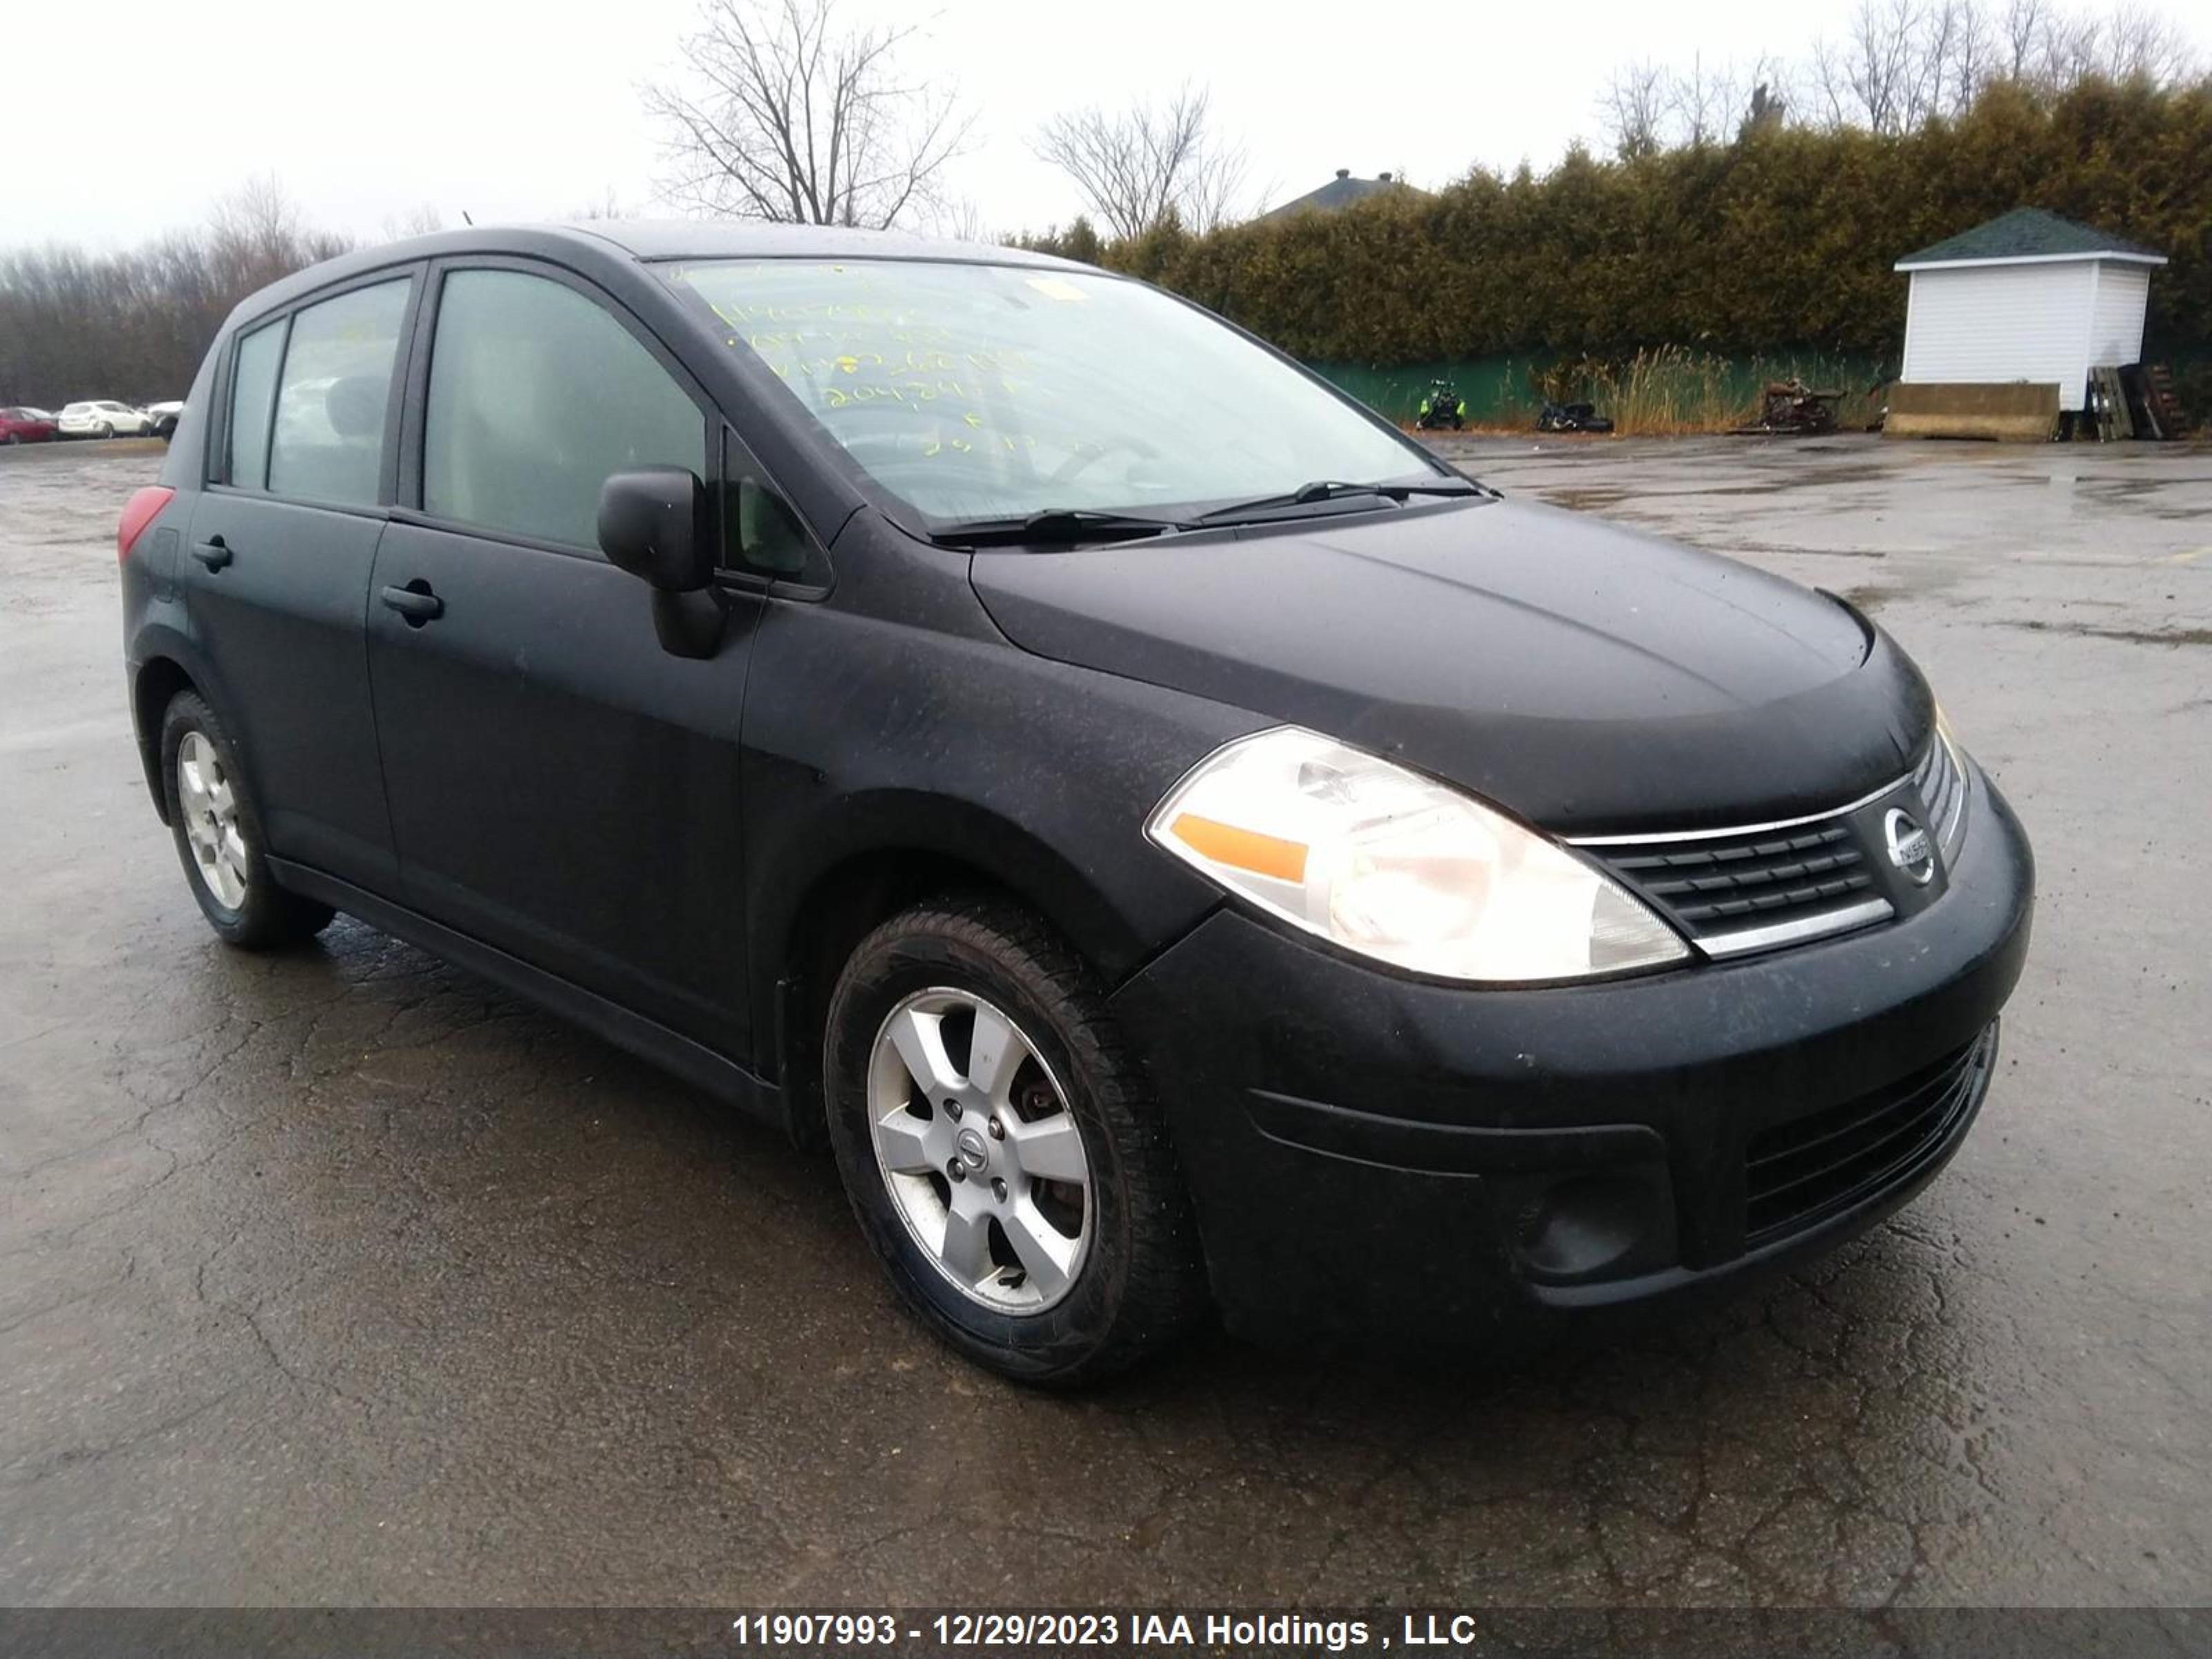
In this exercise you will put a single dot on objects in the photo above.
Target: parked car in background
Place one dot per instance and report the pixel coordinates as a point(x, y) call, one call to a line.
point(25, 426)
point(104, 418)
point(165, 418)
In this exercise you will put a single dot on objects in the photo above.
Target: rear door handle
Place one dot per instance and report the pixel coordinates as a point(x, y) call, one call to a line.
point(214, 552)
point(415, 602)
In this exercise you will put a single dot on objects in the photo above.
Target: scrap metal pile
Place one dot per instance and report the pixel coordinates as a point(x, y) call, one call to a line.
point(1792, 409)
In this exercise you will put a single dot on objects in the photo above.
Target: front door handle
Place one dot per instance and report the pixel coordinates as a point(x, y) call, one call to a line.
point(214, 552)
point(415, 603)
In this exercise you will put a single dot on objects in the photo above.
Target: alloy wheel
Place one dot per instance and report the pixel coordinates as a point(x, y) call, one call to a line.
point(210, 805)
point(979, 1152)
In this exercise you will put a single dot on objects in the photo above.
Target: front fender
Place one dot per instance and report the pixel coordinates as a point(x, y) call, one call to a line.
point(866, 738)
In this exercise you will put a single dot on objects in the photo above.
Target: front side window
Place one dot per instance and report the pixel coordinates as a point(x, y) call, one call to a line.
point(980, 391)
point(761, 532)
point(537, 395)
point(252, 393)
point(328, 443)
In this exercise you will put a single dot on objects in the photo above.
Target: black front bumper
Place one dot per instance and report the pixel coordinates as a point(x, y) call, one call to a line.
point(1378, 1157)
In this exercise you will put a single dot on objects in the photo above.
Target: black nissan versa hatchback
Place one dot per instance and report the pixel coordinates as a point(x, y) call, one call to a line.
point(1174, 859)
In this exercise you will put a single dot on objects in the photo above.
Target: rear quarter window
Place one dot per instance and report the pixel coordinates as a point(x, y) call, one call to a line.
point(252, 393)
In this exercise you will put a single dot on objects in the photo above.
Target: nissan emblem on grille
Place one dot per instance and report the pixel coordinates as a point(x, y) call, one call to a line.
point(1910, 849)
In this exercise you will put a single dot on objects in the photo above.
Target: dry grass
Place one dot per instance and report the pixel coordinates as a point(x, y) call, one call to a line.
point(1672, 392)
point(1662, 392)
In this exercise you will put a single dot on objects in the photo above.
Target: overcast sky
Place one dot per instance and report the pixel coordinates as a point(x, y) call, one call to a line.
point(128, 118)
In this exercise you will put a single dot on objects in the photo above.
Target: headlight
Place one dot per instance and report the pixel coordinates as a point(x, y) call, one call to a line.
point(1398, 867)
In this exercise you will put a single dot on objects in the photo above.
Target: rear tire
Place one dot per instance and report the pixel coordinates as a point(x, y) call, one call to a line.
point(217, 829)
point(1062, 1277)
point(103, 430)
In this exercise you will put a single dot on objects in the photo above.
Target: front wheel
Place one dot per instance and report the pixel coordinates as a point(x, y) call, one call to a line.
point(1002, 1150)
point(217, 829)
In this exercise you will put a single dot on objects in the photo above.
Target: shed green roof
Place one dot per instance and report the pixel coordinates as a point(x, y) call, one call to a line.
point(2028, 234)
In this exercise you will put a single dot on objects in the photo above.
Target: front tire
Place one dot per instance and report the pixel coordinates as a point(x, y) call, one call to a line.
point(1002, 1150)
point(217, 829)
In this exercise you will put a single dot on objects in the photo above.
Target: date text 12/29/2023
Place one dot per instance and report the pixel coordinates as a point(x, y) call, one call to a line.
point(1216, 1632)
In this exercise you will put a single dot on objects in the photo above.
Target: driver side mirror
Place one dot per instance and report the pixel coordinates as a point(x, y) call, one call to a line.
point(653, 523)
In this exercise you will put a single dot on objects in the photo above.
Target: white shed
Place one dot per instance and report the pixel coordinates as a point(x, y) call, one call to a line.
point(2029, 297)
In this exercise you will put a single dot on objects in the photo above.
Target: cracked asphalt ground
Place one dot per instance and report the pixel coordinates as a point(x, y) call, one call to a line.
point(340, 1277)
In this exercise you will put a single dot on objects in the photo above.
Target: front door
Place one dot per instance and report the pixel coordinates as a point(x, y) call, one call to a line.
point(560, 786)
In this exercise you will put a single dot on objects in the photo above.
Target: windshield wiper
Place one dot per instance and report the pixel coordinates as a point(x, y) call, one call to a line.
point(1065, 526)
point(1332, 490)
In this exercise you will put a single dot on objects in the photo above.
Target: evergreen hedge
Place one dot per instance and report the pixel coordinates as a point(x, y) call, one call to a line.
point(1782, 240)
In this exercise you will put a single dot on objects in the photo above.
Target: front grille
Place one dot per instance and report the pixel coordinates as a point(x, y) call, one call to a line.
point(1941, 784)
point(1797, 1173)
point(1717, 886)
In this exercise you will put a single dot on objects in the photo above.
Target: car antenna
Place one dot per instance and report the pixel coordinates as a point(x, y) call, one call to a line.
point(466, 220)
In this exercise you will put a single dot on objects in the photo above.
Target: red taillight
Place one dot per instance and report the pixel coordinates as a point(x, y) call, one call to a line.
point(141, 510)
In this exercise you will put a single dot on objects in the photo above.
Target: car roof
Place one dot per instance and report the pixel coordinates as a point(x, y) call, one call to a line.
point(648, 240)
point(740, 239)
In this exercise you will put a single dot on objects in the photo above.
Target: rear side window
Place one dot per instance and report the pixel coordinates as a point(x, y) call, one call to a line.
point(537, 395)
point(252, 391)
point(328, 442)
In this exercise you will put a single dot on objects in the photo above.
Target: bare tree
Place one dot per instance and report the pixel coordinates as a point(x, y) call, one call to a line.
point(1633, 108)
point(2072, 48)
point(791, 119)
point(1900, 65)
point(608, 206)
point(1702, 102)
point(1138, 168)
point(2039, 45)
point(2140, 43)
point(135, 323)
point(1767, 109)
point(959, 220)
point(2022, 29)
point(1219, 189)
point(257, 235)
point(250, 230)
point(1773, 94)
point(1962, 49)
point(1872, 77)
point(421, 220)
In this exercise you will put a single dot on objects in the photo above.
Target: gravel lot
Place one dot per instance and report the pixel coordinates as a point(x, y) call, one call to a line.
point(339, 1277)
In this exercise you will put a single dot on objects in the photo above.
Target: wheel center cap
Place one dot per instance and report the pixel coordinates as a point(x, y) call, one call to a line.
point(973, 1152)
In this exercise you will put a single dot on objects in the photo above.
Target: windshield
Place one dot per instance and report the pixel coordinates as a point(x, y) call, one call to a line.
point(977, 392)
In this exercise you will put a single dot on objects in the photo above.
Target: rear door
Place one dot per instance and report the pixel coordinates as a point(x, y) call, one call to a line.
point(560, 786)
point(278, 556)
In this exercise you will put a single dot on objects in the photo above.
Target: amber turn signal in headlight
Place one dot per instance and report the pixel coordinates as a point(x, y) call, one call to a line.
point(1400, 867)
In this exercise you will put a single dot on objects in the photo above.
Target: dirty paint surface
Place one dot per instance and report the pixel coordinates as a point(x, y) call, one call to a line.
point(339, 1277)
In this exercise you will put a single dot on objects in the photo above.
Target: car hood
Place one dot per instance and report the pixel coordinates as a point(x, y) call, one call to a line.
point(1583, 675)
